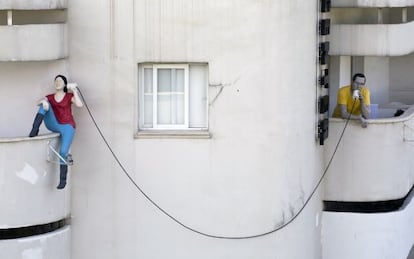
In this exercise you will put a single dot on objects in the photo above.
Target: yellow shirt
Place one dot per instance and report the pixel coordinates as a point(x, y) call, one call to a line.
point(345, 98)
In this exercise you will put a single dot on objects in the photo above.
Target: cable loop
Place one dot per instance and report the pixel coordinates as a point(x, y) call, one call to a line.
point(201, 232)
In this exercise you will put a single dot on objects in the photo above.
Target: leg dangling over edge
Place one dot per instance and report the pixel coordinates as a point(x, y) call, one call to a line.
point(63, 175)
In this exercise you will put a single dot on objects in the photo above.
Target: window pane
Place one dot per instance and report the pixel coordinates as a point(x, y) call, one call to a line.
point(179, 108)
point(163, 109)
point(147, 80)
point(164, 80)
point(179, 80)
point(170, 109)
point(148, 97)
point(148, 110)
point(198, 96)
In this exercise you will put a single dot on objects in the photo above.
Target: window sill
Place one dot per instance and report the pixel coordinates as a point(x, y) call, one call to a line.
point(173, 134)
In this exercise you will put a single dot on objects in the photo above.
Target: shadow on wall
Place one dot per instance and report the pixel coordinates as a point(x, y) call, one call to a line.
point(411, 255)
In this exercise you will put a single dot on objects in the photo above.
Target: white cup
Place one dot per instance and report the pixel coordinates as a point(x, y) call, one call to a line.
point(355, 94)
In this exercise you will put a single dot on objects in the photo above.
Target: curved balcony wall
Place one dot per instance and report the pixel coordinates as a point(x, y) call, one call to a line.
point(371, 164)
point(47, 246)
point(368, 235)
point(28, 183)
point(371, 39)
point(371, 3)
point(34, 42)
point(32, 5)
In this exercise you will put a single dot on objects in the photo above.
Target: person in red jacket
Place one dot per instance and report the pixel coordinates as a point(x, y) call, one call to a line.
point(56, 111)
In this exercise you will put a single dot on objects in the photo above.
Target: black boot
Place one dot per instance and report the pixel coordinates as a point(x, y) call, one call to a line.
point(63, 174)
point(36, 124)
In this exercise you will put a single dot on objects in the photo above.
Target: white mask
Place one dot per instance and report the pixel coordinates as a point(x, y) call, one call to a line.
point(359, 80)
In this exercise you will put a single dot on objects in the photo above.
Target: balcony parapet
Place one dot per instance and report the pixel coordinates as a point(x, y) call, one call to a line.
point(373, 163)
point(28, 183)
point(33, 5)
point(55, 244)
point(371, 3)
point(349, 235)
point(371, 39)
point(34, 42)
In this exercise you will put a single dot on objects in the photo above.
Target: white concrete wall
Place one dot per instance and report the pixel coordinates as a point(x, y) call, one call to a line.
point(373, 163)
point(33, 4)
point(28, 183)
point(252, 175)
point(32, 42)
point(369, 235)
point(371, 40)
point(339, 76)
point(52, 245)
point(377, 72)
point(402, 79)
point(371, 3)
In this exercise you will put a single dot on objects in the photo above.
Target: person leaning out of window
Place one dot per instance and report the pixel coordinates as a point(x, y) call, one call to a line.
point(354, 101)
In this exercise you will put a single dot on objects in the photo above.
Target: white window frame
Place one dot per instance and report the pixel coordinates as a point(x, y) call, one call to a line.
point(155, 124)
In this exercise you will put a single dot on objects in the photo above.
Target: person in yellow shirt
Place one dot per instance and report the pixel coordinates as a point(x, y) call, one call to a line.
point(354, 100)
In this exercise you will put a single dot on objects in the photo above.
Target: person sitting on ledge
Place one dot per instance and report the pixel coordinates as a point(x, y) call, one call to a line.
point(55, 109)
point(354, 100)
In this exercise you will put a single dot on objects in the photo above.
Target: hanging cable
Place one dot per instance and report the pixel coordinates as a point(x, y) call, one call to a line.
point(198, 231)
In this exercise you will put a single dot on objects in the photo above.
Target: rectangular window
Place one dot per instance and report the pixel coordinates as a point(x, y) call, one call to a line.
point(172, 96)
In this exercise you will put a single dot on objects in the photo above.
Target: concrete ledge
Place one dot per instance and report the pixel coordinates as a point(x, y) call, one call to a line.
point(33, 4)
point(372, 3)
point(56, 244)
point(34, 42)
point(371, 39)
point(180, 134)
point(26, 138)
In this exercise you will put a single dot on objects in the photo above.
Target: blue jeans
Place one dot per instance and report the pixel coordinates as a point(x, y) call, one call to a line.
point(66, 131)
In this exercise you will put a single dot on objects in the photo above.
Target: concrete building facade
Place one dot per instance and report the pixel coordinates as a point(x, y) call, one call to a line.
point(212, 110)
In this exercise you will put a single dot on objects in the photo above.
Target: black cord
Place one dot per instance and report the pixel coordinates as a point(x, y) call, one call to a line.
point(200, 232)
